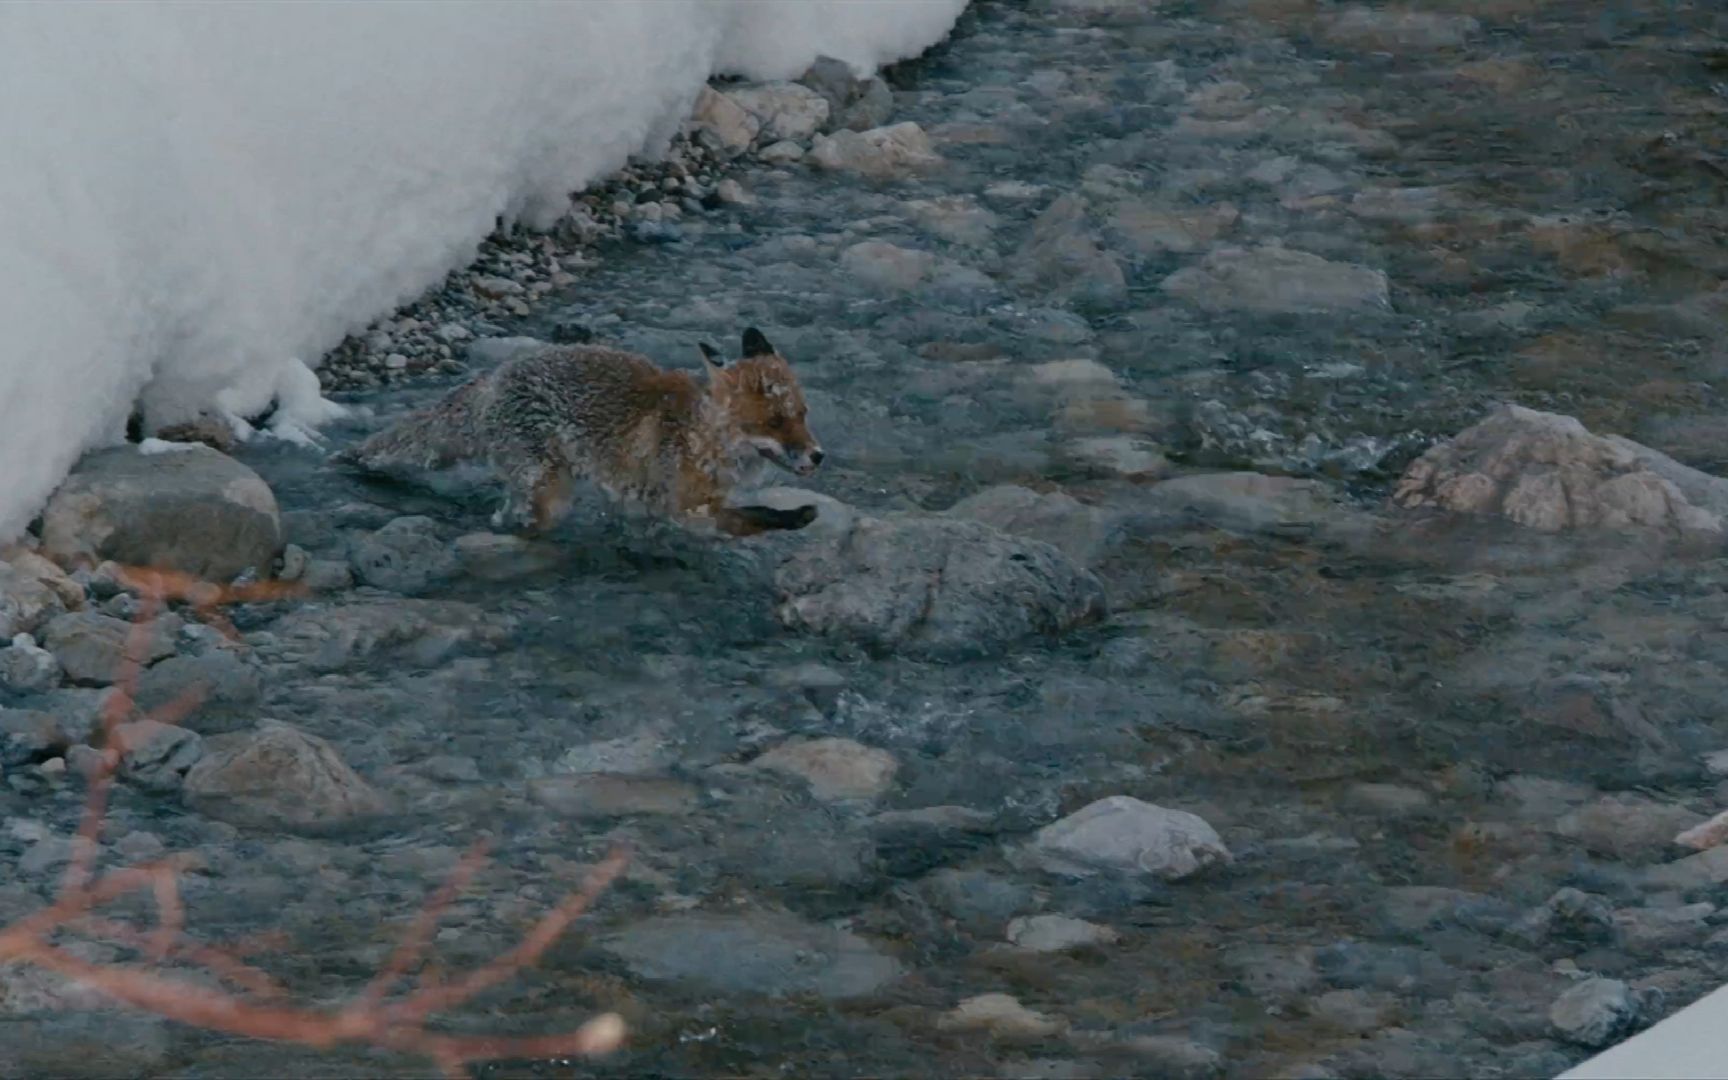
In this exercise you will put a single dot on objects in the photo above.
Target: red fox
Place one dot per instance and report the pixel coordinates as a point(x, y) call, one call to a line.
point(659, 438)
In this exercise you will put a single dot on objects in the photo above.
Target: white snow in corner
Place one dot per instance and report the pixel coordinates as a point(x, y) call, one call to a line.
point(199, 200)
point(1692, 1044)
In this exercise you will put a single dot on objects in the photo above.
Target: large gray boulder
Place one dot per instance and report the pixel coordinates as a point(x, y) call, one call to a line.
point(192, 509)
point(934, 586)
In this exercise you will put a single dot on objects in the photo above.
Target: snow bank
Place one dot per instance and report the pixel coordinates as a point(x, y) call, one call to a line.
point(195, 198)
point(1690, 1045)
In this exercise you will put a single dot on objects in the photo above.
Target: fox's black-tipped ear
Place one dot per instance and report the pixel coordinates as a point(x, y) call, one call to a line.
point(711, 354)
point(755, 344)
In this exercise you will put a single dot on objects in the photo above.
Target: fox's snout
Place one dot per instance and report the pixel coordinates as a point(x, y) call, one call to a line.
point(807, 461)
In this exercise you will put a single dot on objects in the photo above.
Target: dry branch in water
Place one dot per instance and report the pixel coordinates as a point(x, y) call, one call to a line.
point(248, 1001)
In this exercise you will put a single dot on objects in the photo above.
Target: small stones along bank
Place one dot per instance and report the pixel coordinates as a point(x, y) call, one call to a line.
point(1263, 616)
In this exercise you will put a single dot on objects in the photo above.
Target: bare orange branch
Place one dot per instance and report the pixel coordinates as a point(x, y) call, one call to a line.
point(434, 998)
point(265, 1013)
point(419, 933)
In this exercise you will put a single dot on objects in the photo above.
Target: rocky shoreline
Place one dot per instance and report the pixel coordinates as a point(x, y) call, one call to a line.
point(1196, 667)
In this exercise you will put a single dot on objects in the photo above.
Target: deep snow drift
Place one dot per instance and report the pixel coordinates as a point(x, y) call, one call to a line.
point(197, 198)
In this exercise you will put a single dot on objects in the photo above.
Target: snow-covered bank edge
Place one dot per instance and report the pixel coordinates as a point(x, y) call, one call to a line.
point(204, 199)
point(1692, 1044)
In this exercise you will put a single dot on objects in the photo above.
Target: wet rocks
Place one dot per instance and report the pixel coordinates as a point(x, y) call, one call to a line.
point(853, 103)
point(1700, 837)
point(1063, 259)
point(596, 796)
point(278, 776)
point(1599, 1011)
point(1057, 933)
point(1122, 835)
point(1056, 518)
point(886, 267)
point(28, 736)
point(1545, 471)
point(782, 110)
point(1248, 502)
point(1142, 229)
point(330, 637)
point(1394, 30)
point(92, 647)
point(196, 510)
point(754, 953)
point(837, 770)
point(883, 153)
point(156, 756)
point(732, 125)
point(498, 557)
point(223, 683)
point(934, 587)
point(1278, 281)
point(1003, 1017)
point(406, 556)
point(27, 668)
point(25, 602)
point(957, 219)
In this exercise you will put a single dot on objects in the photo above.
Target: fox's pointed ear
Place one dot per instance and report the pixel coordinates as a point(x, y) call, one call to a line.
point(711, 354)
point(755, 344)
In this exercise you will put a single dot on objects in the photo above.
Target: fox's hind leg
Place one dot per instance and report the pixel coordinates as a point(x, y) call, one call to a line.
point(550, 498)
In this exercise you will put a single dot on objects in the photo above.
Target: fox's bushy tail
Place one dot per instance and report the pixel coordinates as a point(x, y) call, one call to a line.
point(438, 437)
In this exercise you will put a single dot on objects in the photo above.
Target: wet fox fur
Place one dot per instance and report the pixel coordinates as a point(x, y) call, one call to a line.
point(659, 438)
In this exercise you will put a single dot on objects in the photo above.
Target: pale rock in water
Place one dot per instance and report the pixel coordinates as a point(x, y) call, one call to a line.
point(837, 770)
point(26, 667)
point(1599, 1011)
point(880, 153)
point(1123, 835)
point(886, 267)
point(1545, 471)
point(278, 776)
point(1002, 1016)
point(1275, 280)
point(1056, 933)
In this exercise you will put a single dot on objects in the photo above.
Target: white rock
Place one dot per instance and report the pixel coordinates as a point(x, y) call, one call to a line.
point(1710, 834)
point(783, 110)
point(784, 152)
point(1003, 1017)
point(837, 770)
point(727, 120)
point(1055, 933)
point(1596, 1012)
point(1121, 834)
point(1545, 471)
point(881, 153)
